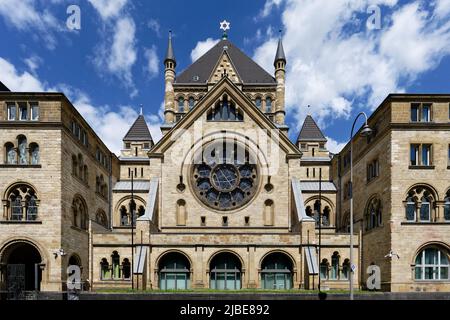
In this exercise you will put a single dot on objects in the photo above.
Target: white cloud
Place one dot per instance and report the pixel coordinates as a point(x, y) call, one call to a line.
point(108, 8)
point(330, 67)
point(202, 47)
point(25, 15)
point(33, 62)
point(268, 7)
point(154, 25)
point(16, 81)
point(152, 66)
point(442, 8)
point(119, 55)
point(334, 146)
point(111, 126)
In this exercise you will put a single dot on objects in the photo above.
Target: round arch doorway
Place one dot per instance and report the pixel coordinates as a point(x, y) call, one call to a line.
point(23, 272)
point(225, 272)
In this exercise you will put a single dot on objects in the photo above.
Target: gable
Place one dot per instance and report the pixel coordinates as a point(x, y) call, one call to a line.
point(224, 66)
point(224, 86)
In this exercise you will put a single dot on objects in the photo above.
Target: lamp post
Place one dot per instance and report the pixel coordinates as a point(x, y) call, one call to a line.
point(366, 131)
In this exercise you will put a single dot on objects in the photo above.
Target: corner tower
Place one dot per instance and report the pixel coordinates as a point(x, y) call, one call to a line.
point(169, 77)
point(280, 75)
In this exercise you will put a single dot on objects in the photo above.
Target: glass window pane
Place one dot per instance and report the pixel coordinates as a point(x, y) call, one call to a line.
point(431, 256)
point(418, 273)
point(414, 110)
point(426, 113)
point(23, 115)
point(34, 111)
point(413, 155)
point(220, 281)
point(12, 111)
point(268, 282)
point(410, 211)
point(425, 211)
point(170, 281)
point(447, 210)
point(444, 273)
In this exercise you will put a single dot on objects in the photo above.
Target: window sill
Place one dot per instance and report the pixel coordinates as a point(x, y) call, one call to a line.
point(424, 223)
point(33, 166)
point(20, 222)
point(421, 167)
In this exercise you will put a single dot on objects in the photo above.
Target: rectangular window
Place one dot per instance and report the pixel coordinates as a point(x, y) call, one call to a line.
point(146, 145)
point(414, 156)
point(426, 154)
point(12, 111)
point(34, 107)
point(415, 112)
point(203, 221)
point(421, 112)
point(23, 111)
point(426, 113)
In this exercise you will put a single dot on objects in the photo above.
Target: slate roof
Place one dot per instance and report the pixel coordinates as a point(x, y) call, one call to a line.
point(138, 131)
point(310, 131)
point(137, 186)
point(3, 87)
point(280, 52)
point(247, 69)
point(169, 54)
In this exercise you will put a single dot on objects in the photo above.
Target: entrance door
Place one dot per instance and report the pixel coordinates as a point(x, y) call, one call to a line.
point(15, 275)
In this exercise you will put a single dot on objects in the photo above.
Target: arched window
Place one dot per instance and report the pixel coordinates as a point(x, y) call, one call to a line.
point(268, 104)
point(317, 212)
point(432, 263)
point(174, 272)
point(141, 211)
point(345, 269)
point(105, 271)
point(97, 184)
point(191, 103)
point(276, 272)
point(326, 216)
point(34, 153)
point(373, 214)
point(225, 272)
point(22, 203)
point(309, 211)
point(80, 213)
point(419, 204)
point(116, 270)
point(85, 174)
point(180, 104)
point(124, 218)
point(425, 208)
point(22, 142)
point(126, 269)
point(345, 227)
point(11, 154)
point(225, 111)
point(324, 269)
point(334, 274)
point(447, 206)
point(258, 102)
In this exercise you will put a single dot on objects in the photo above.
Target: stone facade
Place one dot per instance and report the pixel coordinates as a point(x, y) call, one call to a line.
point(92, 205)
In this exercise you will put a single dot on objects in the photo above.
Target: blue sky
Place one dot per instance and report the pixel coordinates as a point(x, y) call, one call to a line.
point(336, 62)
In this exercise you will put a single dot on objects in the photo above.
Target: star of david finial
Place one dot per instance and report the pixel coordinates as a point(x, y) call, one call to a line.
point(225, 25)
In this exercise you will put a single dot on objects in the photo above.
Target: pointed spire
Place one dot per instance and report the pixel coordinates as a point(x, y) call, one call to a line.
point(310, 131)
point(280, 51)
point(141, 112)
point(170, 55)
point(139, 131)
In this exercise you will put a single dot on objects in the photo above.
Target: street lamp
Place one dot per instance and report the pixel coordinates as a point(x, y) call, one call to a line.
point(366, 131)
